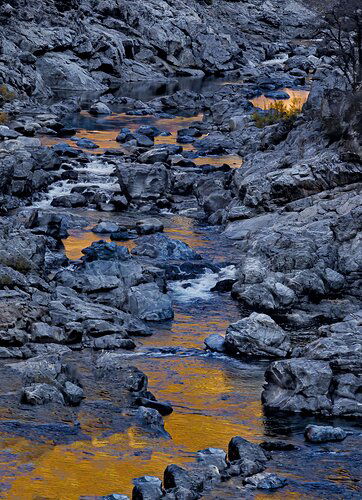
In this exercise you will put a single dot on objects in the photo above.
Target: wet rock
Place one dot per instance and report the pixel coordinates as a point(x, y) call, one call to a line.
point(148, 303)
point(99, 108)
point(298, 385)
point(162, 407)
point(243, 468)
point(101, 328)
point(212, 456)
point(180, 493)
point(147, 488)
point(87, 144)
point(277, 446)
point(120, 236)
point(324, 433)
point(115, 341)
point(73, 200)
point(149, 130)
point(160, 246)
point(156, 155)
point(143, 141)
point(240, 449)
point(103, 251)
point(215, 342)
point(8, 133)
point(257, 336)
point(42, 332)
point(40, 394)
point(266, 481)
point(277, 94)
point(111, 367)
point(195, 479)
point(149, 226)
point(143, 182)
point(105, 227)
point(73, 393)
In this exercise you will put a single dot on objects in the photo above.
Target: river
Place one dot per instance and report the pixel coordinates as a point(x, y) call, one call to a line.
point(214, 397)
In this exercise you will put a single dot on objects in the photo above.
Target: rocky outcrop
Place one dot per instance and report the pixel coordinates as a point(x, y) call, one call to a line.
point(87, 45)
point(325, 379)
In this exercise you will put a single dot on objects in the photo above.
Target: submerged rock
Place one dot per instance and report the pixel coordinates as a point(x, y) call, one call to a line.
point(324, 433)
point(266, 481)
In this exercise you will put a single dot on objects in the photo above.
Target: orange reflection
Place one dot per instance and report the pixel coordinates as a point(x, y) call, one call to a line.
point(300, 96)
point(106, 139)
point(108, 464)
point(234, 161)
point(181, 228)
point(83, 238)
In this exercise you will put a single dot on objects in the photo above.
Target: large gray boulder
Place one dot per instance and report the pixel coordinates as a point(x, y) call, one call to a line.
point(298, 385)
point(257, 336)
point(148, 303)
point(144, 182)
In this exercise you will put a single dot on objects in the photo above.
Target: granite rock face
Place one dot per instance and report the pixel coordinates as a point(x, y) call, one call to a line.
point(324, 378)
point(87, 45)
point(257, 336)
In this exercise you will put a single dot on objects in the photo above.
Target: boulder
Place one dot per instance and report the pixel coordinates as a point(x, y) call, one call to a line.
point(298, 385)
point(162, 247)
point(115, 341)
point(147, 488)
point(324, 433)
point(266, 481)
point(148, 303)
point(41, 394)
point(99, 108)
point(215, 342)
point(105, 227)
point(149, 226)
point(144, 182)
point(242, 449)
point(257, 336)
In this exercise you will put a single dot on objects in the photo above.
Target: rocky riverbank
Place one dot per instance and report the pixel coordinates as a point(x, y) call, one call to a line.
point(287, 222)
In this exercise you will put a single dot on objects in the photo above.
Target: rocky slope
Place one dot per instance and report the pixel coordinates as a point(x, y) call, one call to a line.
point(88, 45)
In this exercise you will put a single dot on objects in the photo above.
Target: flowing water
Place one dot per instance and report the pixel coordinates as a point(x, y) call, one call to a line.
point(214, 397)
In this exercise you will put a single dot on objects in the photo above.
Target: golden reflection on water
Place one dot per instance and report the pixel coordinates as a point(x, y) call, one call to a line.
point(79, 239)
point(180, 228)
point(106, 139)
point(108, 464)
point(296, 96)
point(234, 161)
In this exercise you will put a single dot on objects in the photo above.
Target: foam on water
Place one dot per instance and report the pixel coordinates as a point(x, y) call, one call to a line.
point(200, 288)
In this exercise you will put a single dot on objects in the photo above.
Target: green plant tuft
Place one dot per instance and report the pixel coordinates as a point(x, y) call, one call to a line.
point(279, 112)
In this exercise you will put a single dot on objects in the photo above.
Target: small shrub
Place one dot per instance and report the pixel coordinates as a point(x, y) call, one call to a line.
point(4, 118)
point(278, 112)
point(5, 94)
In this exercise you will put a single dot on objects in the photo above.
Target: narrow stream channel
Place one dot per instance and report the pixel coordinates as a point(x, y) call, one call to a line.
point(214, 397)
